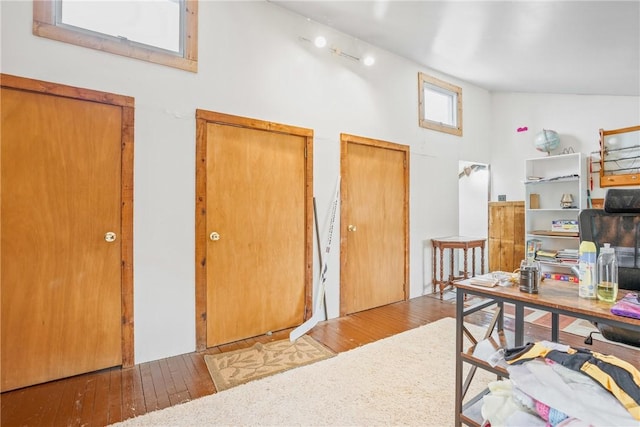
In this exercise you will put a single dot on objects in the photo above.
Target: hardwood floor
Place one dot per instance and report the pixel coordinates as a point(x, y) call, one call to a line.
point(111, 395)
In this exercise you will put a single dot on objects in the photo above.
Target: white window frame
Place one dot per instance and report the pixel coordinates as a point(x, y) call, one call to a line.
point(426, 81)
point(44, 25)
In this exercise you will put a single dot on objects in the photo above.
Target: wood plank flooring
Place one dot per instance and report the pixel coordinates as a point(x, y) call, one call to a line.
point(111, 395)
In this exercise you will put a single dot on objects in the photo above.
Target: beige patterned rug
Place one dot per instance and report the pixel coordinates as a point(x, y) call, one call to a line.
point(240, 366)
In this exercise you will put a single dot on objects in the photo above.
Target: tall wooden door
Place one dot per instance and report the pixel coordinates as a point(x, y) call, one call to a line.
point(374, 255)
point(62, 270)
point(255, 241)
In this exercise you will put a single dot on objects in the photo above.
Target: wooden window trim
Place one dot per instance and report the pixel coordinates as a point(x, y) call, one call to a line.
point(428, 124)
point(44, 26)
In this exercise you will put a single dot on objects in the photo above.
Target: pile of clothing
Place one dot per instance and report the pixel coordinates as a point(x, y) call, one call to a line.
point(551, 384)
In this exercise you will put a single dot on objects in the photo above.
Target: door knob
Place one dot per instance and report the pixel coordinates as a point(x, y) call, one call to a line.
point(214, 236)
point(351, 227)
point(109, 237)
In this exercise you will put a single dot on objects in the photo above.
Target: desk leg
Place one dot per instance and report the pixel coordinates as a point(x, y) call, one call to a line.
point(473, 262)
point(433, 269)
point(482, 259)
point(519, 332)
point(441, 271)
point(555, 326)
point(459, 326)
point(443, 285)
point(451, 272)
point(465, 272)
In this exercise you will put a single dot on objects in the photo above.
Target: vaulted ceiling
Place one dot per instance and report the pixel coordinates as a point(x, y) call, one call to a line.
point(577, 47)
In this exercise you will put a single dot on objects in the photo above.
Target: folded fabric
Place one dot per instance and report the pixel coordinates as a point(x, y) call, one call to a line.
point(628, 306)
point(503, 407)
point(620, 378)
point(522, 418)
point(568, 392)
point(549, 414)
point(498, 405)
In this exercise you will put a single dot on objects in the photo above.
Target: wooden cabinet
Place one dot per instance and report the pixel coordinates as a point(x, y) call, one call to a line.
point(506, 235)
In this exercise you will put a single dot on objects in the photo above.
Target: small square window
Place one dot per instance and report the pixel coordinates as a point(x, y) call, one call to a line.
point(440, 105)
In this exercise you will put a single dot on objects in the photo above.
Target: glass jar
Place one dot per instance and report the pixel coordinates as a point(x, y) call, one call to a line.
point(607, 274)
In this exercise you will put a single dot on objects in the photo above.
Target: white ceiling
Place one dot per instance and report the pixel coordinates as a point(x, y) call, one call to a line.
point(577, 47)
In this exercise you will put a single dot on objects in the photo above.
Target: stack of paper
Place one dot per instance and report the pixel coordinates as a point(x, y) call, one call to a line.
point(485, 280)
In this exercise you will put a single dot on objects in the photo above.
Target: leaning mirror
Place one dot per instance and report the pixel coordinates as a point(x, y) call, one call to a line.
point(620, 157)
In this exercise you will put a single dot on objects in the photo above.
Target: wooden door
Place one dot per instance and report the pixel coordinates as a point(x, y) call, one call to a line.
point(62, 276)
point(257, 199)
point(374, 247)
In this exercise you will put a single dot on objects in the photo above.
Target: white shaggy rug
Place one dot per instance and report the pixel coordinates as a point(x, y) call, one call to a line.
point(406, 379)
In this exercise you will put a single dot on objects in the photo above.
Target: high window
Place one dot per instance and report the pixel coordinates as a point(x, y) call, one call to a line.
point(440, 105)
point(159, 31)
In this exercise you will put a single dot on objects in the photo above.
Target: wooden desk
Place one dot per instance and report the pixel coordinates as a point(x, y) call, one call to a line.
point(553, 296)
point(451, 243)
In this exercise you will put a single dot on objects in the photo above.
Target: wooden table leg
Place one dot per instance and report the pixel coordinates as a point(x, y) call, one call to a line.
point(433, 268)
point(465, 273)
point(451, 273)
point(441, 271)
point(473, 262)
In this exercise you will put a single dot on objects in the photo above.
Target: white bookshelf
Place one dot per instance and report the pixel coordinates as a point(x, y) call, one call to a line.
point(550, 177)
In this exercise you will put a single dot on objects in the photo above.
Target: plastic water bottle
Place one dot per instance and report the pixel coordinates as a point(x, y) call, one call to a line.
point(607, 274)
point(587, 270)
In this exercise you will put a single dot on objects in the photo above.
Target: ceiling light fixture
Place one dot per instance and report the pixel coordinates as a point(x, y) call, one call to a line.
point(320, 42)
point(340, 52)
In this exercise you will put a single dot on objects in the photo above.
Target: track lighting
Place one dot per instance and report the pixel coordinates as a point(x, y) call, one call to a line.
point(320, 42)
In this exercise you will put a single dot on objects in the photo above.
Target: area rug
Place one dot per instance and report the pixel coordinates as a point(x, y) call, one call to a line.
point(406, 379)
point(237, 367)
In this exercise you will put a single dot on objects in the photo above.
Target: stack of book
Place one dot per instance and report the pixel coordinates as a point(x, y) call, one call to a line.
point(548, 255)
point(565, 225)
point(568, 255)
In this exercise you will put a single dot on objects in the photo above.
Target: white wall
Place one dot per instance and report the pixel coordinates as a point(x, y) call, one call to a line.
point(252, 63)
point(576, 118)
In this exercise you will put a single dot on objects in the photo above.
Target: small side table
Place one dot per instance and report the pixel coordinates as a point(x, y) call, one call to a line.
point(452, 243)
